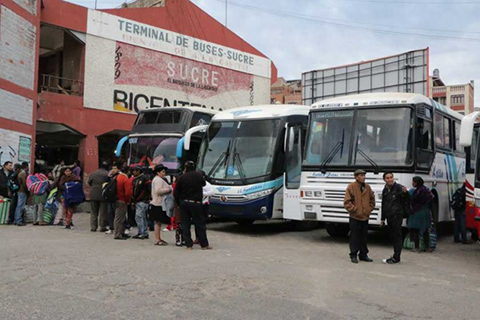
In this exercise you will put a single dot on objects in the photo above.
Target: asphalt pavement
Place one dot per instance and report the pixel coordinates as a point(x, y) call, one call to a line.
point(265, 271)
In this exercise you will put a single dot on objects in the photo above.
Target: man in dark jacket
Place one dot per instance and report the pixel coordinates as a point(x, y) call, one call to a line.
point(99, 204)
point(395, 202)
point(141, 199)
point(5, 174)
point(188, 195)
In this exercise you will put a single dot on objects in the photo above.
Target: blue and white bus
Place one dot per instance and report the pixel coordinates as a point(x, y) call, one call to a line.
point(243, 155)
point(407, 134)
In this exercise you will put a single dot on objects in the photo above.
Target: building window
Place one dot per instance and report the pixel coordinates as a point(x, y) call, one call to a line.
point(457, 99)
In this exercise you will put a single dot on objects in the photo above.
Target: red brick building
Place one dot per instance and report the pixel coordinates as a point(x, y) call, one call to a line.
point(72, 78)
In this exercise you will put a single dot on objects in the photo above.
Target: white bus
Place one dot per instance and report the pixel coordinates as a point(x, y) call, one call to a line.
point(408, 134)
point(243, 155)
point(469, 138)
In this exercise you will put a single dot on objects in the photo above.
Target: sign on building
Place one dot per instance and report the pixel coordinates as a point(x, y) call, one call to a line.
point(406, 72)
point(132, 66)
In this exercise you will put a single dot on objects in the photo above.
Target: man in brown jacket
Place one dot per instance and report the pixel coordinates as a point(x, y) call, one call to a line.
point(359, 202)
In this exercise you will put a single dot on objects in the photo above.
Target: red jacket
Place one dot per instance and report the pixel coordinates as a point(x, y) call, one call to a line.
point(124, 188)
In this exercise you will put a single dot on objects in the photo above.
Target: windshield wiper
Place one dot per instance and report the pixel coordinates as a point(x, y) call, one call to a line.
point(236, 155)
point(223, 156)
point(333, 153)
point(363, 154)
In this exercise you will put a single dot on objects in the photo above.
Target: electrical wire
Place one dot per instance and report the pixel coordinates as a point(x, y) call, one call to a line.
point(343, 24)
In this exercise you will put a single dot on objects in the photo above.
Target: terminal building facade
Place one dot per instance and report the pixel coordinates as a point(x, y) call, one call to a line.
point(72, 79)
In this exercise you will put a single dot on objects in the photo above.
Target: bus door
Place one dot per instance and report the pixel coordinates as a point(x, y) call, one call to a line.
point(294, 141)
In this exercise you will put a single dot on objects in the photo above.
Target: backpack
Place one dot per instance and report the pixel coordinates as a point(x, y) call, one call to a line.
point(109, 190)
point(37, 184)
point(458, 200)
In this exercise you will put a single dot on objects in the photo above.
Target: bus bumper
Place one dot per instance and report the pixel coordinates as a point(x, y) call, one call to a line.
point(257, 209)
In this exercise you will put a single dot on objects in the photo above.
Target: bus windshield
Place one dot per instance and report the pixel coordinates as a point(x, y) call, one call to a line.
point(366, 137)
point(239, 150)
point(155, 150)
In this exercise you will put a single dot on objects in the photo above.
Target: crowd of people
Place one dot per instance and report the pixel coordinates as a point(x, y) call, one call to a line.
point(120, 196)
point(398, 203)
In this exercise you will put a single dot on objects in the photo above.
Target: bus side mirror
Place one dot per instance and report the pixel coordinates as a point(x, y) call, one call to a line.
point(180, 146)
point(466, 129)
point(121, 142)
point(190, 132)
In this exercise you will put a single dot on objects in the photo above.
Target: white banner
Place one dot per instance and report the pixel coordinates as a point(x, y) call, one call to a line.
point(112, 27)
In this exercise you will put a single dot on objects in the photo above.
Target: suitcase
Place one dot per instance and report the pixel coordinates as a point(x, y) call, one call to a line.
point(4, 210)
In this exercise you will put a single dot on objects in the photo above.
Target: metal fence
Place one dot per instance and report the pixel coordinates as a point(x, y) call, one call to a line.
point(60, 85)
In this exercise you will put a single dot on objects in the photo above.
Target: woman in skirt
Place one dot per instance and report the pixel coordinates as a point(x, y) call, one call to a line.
point(160, 188)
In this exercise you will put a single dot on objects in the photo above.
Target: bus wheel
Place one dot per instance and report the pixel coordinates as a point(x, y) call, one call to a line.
point(337, 230)
point(245, 222)
point(474, 235)
point(434, 211)
point(305, 225)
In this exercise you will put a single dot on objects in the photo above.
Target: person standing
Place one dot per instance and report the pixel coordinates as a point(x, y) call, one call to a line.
point(160, 188)
point(98, 203)
point(22, 194)
point(124, 197)
point(359, 201)
point(5, 174)
point(419, 220)
point(141, 199)
point(458, 205)
point(13, 182)
point(188, 195)
point(207, 192)
point(39, 191)
point(77, 169)
point(395, 200)
point(67, 208)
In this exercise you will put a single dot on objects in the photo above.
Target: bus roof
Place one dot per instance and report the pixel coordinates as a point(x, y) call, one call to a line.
point(197, 109)
point(262, 112)
point(383, 98)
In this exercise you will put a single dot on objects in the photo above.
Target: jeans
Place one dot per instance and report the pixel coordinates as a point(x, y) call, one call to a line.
point(459, 227)
point(22, 200)
point(358, 237)
point(141, 218)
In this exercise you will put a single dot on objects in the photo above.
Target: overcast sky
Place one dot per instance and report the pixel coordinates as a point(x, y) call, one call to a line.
point(305, 35)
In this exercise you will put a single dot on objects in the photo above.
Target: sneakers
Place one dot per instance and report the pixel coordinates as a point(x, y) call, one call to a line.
point(127, 231)
point(68, 227)
point(108, 232)
point(390, 261)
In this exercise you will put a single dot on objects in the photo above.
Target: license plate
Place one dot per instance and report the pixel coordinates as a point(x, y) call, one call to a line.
point(310, 215)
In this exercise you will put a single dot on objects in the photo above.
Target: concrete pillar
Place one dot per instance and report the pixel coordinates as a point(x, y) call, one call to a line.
point(88, 154)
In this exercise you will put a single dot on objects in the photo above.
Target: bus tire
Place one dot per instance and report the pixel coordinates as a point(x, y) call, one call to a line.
point(337, 230)
point(434, 210)
point(245, 222)
point(305, 225)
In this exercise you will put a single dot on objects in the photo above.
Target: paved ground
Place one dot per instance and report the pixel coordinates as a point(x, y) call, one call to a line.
point(265, 272)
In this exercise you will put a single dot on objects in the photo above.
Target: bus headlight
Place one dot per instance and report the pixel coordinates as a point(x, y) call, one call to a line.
point(309, 194)
point(318, 194)
point(477, 203)
point(260, 194)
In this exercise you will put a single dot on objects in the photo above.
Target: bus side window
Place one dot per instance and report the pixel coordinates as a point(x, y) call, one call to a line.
point(439, 131)
point(200, 119)
point(425, 135)
point(446, 134)
point(456, 145)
